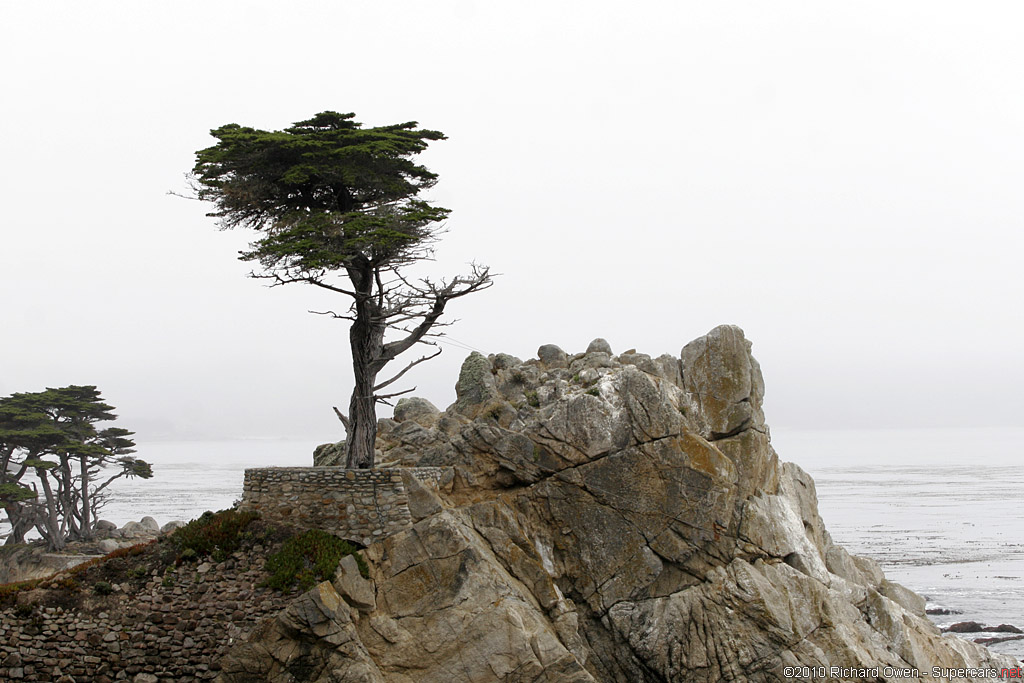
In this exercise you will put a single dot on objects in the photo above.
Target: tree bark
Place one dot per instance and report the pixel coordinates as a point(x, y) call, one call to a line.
point(20, 522)
point(366, 340)
point(85, 533)
point(50, 527)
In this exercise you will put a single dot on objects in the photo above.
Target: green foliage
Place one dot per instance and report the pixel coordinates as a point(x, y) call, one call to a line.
point(532, 399)
point(337, 206)
point(15, 493)
point(324, 191)
point(219, 533)
point(102, 588)
point(53, 434)
point(40, 464)
point(593, 391)
point(308, 558)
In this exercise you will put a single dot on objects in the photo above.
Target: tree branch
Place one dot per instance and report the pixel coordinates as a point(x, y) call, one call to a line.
point(397, 393)
point(407, 368)
point(344, 420)
point(308, 279)
point(441, 294)
point(337, 316)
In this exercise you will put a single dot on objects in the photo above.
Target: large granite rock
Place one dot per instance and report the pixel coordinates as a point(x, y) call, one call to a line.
point(611, 519)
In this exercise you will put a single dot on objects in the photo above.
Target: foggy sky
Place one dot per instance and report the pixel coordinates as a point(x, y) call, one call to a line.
point(842, 180)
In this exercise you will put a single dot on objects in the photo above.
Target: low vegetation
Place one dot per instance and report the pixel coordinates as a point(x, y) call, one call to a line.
point(308, 558)
point(213, 535)
point(297, 559)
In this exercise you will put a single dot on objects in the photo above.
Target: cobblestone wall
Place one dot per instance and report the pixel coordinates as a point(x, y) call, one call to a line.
point(360, 505)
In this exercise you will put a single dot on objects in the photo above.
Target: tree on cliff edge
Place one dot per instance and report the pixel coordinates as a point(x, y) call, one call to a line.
point(337, 207)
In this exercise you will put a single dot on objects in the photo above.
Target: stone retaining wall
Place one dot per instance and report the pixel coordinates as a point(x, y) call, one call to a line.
point(175, 629)
point(359, 505)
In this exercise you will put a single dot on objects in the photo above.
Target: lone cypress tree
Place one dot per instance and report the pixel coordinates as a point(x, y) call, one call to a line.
point(337, 206)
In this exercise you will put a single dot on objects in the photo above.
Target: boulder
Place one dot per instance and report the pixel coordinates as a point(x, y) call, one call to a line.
point(419, 410)
point(725, 382)
point(136, 530)
point(475, 391)
point(552, 356)
point(330, 454)
point(172, 526)
point(599, 345)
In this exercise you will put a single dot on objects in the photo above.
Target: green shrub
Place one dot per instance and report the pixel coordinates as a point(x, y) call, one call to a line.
point(216, 534)
point(532, 399)
point(307, 558)
point(594, 391)
point(102, 588)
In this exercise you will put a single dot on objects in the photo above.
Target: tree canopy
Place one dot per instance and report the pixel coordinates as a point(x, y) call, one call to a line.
point(330, 198)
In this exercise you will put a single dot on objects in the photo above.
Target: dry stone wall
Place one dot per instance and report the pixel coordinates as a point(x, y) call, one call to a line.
point(176, 629)
point(358, 505)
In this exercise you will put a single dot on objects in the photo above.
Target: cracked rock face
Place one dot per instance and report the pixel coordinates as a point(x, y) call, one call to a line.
point(610, 519)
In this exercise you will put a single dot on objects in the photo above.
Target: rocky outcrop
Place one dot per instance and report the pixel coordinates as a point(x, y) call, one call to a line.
point(614, 519)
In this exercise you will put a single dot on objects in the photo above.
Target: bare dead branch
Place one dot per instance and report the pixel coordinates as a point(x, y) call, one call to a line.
point(442, 292)
point(338, 316)
point(344, 420)
point(277, 279)
point(407, 368)
point(381, 397)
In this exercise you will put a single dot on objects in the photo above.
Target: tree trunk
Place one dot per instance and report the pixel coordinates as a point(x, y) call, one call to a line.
point(86, 531)
point(363, 418)
point(366, 339)
point(367, 346)
point(50, 527)
point(19, 520)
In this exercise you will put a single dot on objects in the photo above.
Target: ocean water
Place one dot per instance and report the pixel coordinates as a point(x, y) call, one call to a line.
point(938, 509)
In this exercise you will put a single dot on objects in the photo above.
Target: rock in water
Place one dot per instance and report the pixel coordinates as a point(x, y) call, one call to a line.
point(609, 519)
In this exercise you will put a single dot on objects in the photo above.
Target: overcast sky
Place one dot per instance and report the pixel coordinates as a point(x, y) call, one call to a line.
point(842, 180)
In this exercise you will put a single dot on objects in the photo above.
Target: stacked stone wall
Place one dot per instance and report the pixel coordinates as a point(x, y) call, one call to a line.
point(174, 630)
point(359, 505)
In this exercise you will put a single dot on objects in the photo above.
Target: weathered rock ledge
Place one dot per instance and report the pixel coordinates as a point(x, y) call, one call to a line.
point(609, 518)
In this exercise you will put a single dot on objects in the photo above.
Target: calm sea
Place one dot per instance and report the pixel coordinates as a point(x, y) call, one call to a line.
point(939, 509)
